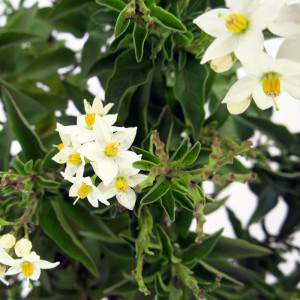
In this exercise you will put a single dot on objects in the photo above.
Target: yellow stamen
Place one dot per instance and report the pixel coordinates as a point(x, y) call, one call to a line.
point(236, 23)
point(112, 149)
point(74, 159)
point(271, 85)
point(121, 184)
point(27, 269)
point(90, 120)
point(84, 191)
point(60, 146)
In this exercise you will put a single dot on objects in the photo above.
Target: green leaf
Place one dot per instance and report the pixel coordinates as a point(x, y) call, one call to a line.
point(156, 192)
point(168, 204)
point(160, 287)
point(196, 252)
point(166, 19)
point(213, 206)
point(191, 156)
point(30, 143)
point(236, 248)
point(181, 150)
point(144, 165)
point(5, 142)
point(140, 34)
point(113, 4)
point(4, 222)
point(127, 75)
point(190, 90)
point(13, 38)
point(183, 200)
point(40, 68)
point(51, 226)
point(122, 22)
point(146, 155)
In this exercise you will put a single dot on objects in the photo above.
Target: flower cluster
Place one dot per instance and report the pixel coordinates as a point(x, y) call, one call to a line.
point(28, 264)
point(238, 32)
point(96, 141)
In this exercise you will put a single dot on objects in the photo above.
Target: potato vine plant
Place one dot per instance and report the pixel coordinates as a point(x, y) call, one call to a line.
point(136, 163)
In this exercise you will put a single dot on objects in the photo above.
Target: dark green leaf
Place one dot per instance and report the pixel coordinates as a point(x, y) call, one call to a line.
point(122, 22)
point(156, 192)
point(113, 4)
point(168, 204)
point(191, 156)
point(140, 34)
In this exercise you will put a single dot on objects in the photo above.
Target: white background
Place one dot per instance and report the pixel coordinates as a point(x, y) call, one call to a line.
point(241, 200)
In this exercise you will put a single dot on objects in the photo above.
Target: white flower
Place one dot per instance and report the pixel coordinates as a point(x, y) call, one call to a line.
point(121, 187)
point(67, 150)
point(109, 152)
point(23, 247)
point(83, 188)
point(29, 266)
point(222, 64)
point(7, 241)
point(238, 29)
point(266, 79)
point(289, 49)
point(287, 23)
point(97, 110)
point(2, 274)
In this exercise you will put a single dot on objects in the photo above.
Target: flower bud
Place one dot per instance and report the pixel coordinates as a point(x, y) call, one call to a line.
point(23, 247)
point(7, 241)
point(222, 64)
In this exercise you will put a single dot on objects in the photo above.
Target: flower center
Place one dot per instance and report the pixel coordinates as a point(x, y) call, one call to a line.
point(121, 184)
point(74, 159)
point(90, 120)
point(112, 149)
point(84, 191)
point(271, 85)
point(236, 23)
point(60, 146)
point(27, 269)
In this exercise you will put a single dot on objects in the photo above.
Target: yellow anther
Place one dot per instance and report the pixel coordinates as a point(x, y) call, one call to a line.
point(74, 159)
point(112, 149)
point(90, 120)
point(60, 146)
point(27, 269)
point(271, 85)
point(236, 23)
point(121, 184)
point(84, 191)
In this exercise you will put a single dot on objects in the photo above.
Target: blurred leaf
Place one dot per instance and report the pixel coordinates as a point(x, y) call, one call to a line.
point(140, 34)
point(31, 144)
point(113, 4)
point(12, 38)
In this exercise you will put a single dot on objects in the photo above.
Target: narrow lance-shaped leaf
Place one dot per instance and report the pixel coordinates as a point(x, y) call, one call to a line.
point(140, 34)
point(30, 143)
point(156, 192)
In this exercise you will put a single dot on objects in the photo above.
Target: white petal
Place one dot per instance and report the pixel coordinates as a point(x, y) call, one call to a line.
point(125, 159)
point(251, 42)
point(102, 131)
point(44, 264)
point(257, 64)
point(238, 108)
point(2, 279)
point(107, 192)
point(13, 270)
point(107, 108)
point(92, 151)
point(73, 190)
point(287, 67)
point(6, 259)
point(292, 86)
point(243, 6)
point(290, 49)
point(110, 119)
point(72, 169)
point(93, 199)
point(127, 199)
point(213, 22)
point(136, 179)
point(62, 156)
point(87, 106)
point(106, 169)
point(265, 13)
point(287, 23)
point(97, 106)
point(125, 137)
point(220, 47)
point(36, 274)
point(241, 90)
point(261, 99)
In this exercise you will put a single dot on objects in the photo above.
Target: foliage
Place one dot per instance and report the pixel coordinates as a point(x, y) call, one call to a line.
point(145, 54)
